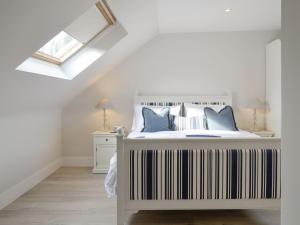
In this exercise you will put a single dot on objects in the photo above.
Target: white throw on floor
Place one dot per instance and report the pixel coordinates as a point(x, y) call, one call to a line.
point(111, 178)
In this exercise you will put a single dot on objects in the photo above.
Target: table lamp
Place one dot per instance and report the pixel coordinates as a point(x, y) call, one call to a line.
point(257, 104)
point(104, 104)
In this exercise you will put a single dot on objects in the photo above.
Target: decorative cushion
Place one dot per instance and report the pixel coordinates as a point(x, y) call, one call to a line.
point(222, 120)
point(188, 123)
point(154, 122)
point(138, 119)
point(194, 110)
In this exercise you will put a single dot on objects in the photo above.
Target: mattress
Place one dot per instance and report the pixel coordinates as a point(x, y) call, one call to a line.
point(193, 133)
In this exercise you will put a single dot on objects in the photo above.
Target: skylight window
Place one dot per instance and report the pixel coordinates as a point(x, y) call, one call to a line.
point(97, 19)
point(59, 48)
point(78, 45)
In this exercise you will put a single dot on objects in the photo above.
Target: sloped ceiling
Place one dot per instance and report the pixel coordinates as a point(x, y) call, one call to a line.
point(209, 15)
point(27, 25)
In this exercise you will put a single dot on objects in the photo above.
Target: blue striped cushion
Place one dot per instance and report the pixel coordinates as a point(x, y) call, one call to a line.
point(189, 123)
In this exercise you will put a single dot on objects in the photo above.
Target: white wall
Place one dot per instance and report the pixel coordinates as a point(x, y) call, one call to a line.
point(273, 86)
point(180, 64)
point(290, 112)
point(30, 148)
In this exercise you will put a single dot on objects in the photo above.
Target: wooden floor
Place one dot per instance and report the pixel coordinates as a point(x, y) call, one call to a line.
point(74, 196)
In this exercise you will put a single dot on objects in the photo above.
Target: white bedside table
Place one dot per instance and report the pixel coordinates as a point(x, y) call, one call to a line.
point(264, 133)
point(105, 145)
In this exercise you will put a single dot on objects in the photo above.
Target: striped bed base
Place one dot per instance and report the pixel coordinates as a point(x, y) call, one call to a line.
point(204, 174)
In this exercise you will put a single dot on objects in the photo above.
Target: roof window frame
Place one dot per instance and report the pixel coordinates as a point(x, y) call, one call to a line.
point(105, 11)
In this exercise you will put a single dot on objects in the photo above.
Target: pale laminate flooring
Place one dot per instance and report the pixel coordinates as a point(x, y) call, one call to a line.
point(75, 196)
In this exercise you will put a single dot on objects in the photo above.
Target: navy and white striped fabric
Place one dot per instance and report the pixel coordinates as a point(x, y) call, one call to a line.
point(204, 174)
point(206, 103)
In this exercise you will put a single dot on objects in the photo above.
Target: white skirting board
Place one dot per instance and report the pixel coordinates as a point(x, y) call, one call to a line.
point(22, 187)
point(77, 161)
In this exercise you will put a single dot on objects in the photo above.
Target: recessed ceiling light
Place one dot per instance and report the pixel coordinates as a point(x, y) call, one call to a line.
point(228, 10)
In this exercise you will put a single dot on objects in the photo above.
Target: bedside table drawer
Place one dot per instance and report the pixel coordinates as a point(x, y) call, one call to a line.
point(106, 140)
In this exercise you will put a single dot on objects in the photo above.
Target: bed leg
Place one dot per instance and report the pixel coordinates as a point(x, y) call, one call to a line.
point(120, 217)
point(124, 216)
point(120, 181)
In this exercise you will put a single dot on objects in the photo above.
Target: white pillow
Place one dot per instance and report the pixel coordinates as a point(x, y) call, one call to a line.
point(198, 110)
point(194, 110)
point(138, 119)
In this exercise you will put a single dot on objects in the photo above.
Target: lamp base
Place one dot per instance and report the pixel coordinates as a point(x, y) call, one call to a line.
point(254, 127)
point(255, 130)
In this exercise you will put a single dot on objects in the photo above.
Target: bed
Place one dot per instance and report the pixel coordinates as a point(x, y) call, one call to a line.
point(195, 169)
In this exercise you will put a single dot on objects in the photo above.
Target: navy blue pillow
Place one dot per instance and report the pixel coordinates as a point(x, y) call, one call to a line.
point(223, 120)
point(154, 122)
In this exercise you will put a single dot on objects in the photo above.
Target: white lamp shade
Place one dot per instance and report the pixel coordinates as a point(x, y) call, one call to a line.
point(256, 103)
point(103, 103)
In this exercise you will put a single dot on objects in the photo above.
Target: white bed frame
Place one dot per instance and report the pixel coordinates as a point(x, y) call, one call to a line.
point(126, 207)
point(201, 100)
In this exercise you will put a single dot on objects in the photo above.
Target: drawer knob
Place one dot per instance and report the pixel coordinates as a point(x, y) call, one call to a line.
point(106, 139)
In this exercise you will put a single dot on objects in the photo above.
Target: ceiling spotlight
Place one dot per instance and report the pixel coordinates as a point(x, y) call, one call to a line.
point(228, 10)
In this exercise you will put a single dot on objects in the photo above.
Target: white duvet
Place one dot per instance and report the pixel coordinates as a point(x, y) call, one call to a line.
point(111, 178)
point(196, 133)
point(110, 181)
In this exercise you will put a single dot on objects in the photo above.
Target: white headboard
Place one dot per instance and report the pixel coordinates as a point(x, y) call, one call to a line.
point(177, 100)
